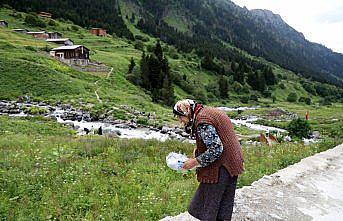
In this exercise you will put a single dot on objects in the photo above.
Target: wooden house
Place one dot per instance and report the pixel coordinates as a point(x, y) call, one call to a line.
point(3, 23)
point(38, 34)
point(54, 35)
point(45, 14)
point(72, 55)
point(61, 41)
point(98, 32)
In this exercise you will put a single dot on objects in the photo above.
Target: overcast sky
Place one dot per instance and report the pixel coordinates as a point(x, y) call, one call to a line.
point(321, 21)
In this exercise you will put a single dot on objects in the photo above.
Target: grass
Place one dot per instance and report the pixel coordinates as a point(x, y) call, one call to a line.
point(49, 173)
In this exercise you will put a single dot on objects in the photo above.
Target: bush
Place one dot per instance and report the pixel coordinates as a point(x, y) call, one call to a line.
point(74, 28)
point(245, 99)
point(292, 97)
point(306, 100)
point(142, 38)
point(253, 97)
point(139, 45)
point(52, 22)
point(266, 94)
point(282, 86)
point(299, 128)
point(30, 48)
point(34, 21)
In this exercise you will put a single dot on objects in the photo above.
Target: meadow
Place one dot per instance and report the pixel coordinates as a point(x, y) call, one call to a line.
point(47, 172)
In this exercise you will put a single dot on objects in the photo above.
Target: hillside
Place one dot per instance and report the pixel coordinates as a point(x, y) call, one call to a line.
point(28, 70)
point(192, 24)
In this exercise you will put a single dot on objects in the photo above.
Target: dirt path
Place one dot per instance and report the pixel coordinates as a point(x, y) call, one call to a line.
point(309, 190)
point(109, 73)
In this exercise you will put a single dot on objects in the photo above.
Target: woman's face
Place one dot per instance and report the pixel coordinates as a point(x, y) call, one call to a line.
point(184, 120)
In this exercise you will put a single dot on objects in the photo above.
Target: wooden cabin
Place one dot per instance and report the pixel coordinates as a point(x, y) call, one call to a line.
point(38, 34)
point(98, 32)
point(45, 14)
point(61, 41)
point(54, 35)
point(72, 55)
point(3, 23)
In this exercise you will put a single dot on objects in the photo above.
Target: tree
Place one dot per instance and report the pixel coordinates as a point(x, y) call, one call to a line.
point(269, 76)
point(131, 65)
point(158, 51)
point(299, 128)
point(223, 87)
point(292, 97)
point(34, 21)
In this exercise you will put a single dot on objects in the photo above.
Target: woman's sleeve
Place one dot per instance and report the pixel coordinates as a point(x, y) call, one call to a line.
point(213, 144)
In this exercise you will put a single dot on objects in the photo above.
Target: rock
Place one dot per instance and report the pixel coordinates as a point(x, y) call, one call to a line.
point(316, 134)
point(184, 134)
point(71, 124)
point(164, 130)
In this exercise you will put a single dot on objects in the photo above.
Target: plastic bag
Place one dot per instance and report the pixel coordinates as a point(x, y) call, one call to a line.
point(175, 161)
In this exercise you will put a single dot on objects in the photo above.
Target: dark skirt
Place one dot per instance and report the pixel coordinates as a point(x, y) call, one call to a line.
point(214, 201)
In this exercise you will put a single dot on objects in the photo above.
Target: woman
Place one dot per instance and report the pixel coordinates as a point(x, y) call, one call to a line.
point(218, 158)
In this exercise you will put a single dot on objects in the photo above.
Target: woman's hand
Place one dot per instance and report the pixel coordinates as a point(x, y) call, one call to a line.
point(190, 163)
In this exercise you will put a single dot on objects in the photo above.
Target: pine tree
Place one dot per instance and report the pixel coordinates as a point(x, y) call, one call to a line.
point(158, 51)
point(223, 87)
point(131, 65)
point(145, 72)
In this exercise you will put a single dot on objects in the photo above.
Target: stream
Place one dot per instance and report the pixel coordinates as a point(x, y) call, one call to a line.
point(82, 124)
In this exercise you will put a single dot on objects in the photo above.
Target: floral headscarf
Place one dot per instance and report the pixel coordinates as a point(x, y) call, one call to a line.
point(187, 108)
point(184, 107)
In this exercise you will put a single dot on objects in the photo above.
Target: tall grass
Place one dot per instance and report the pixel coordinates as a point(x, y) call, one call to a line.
point(46, 173)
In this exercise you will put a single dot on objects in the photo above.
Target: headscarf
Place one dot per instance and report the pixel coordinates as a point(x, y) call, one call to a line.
point(187, 108)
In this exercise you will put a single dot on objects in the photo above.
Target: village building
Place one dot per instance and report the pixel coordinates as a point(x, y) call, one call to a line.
point(98, 32)
point(3, 23)
point(61, 41)
point(38, 34)
point(54, 35)
point(20, 30)
point(45, 14)
point(72, 55)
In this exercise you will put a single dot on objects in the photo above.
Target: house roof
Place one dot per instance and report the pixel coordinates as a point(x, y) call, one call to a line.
point(72, 47)
point(53, 32)
point(36, 32)
point(58, 39)
point(20, 29)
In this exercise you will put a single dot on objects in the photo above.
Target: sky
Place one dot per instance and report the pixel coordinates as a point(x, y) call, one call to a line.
point(320, 21)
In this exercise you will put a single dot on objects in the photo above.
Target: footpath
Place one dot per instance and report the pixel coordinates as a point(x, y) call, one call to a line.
point(309, 190)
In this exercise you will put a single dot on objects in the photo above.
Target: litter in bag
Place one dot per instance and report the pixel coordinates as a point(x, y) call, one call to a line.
point(175, 161)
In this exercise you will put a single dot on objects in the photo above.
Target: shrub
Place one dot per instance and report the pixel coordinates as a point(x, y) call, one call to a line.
point(142, 38)
point(292, 97)
point(74, 28)
point(282, 86)
point(52, 22)
point(299, 128)
point(139, 45)
point(266, 94)
point(34, 21)
point(30, 48)
point(308, 101)
point(245, 99)
point(253, 97)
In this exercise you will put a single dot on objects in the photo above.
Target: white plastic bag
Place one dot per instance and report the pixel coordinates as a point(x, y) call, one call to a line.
point(175, 161)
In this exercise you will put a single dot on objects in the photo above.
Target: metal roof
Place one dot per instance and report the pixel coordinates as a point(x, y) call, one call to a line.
point(71, 47)
point(58, 39)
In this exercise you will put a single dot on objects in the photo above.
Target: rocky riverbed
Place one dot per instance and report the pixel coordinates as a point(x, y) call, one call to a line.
point(82, 122)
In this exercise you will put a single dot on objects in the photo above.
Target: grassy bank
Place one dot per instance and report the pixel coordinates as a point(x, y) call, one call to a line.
point(47, 172)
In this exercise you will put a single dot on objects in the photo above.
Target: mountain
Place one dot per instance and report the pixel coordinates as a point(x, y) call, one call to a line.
point(205, 26)
point(259, 32)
